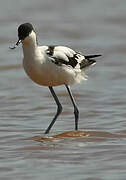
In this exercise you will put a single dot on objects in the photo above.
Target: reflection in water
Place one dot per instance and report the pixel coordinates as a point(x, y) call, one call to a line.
point(84, 135)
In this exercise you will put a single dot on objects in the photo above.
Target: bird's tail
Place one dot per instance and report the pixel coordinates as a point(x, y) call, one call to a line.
point(88, 61)
point(92, 56)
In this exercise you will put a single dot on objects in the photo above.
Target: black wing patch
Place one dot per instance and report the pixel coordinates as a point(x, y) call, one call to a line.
point(50, 50)
point(72, 61)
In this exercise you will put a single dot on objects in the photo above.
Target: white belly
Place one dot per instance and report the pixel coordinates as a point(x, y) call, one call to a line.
point(49, 74)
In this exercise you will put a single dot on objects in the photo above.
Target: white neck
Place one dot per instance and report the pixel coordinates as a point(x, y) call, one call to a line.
point(29, 44)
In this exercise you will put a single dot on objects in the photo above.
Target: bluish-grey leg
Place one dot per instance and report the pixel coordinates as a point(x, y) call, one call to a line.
point(76, 111)
point(59, 109)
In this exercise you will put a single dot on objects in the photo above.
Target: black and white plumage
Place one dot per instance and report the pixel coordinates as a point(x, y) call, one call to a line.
point(52, 66)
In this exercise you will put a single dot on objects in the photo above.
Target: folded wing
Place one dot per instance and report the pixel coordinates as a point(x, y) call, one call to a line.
point(61, 55)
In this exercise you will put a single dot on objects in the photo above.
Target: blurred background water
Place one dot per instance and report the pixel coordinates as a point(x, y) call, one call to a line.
point(26, 109)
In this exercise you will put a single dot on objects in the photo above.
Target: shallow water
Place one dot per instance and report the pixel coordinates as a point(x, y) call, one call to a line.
point(27, 109)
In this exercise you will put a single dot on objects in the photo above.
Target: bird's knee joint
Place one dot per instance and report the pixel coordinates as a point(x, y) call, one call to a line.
point(76, 111)
point(60, 108)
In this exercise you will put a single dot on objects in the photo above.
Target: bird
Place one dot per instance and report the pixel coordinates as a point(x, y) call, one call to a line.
point(53, 66)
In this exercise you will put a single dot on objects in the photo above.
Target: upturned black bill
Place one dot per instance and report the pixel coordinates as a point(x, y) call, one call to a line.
point(17, 43)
